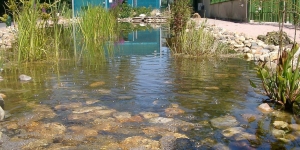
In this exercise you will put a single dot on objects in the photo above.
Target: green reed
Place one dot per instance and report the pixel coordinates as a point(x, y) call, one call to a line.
point(97, 27)
point(31, 40)
point(39, 33)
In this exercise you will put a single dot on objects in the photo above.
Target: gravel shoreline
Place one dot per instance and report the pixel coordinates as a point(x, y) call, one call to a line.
point(254, 29)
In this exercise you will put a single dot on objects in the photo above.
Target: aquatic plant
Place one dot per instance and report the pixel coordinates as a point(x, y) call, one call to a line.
point(38, 31)
point(187, 38)
point(41, 37)
point(180, 14)
point(97, 26)
point(282, 85)
point(32, 38)
point(197, 41)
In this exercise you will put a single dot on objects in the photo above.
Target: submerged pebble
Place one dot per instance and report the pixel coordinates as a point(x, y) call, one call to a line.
point(24, 77)
point(2, 114)
point(224, 122)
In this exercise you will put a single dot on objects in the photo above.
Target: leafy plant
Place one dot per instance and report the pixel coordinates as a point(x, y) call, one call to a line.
point(142, 10)
point(126, 11)
point(283, 84)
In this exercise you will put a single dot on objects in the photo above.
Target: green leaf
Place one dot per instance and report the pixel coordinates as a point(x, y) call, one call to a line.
point(281, 78)
point(264, 73)
point(252, 84)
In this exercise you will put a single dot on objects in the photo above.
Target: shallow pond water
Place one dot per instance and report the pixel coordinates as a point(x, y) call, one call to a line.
point(140, 99)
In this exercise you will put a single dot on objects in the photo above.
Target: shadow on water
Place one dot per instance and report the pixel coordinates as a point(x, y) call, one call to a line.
point(142, 94)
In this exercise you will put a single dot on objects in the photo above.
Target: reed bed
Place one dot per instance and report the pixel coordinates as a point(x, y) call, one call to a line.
point(39, 34)
point(197, 41)
point(97, 27)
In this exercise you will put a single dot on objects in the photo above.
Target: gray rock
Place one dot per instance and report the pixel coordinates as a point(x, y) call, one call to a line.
point(167, 142)
point(271, 65)
point(260, 43)
point(265, 107)
point(238, 45)
point(1, 78)
point(265, 51)
point(24, 77)
point(220, 146)
point(271, 56)
point(224, 122)
point(240, 49)
point(256, 47)
point(295, 127)
point(262, 57)
point(248, 44)
point(184, 144)
point(2, 114)
point(238, 133)
point(160, 120)
point(253, 44)
point(276, 48)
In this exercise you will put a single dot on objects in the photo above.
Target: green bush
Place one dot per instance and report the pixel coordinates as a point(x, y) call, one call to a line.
point(180, 14)
point(126, 11)
point(142, 10)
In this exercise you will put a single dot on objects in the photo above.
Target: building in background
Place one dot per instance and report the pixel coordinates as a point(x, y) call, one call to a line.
point(81, 4)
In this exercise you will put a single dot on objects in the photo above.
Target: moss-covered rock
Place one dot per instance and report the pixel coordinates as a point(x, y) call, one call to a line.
point(273, 38)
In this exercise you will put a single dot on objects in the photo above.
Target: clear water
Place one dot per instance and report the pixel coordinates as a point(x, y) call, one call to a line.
point(144, 80)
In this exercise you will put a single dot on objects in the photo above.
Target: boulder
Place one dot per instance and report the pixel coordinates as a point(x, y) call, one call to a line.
point(196, 15)
point(273, 38)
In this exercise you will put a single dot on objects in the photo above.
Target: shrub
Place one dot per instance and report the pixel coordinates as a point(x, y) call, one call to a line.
point(142, 10)
point(180, 14)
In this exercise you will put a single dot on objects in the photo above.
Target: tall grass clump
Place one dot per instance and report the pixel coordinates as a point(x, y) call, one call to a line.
point(31, 39)
point(38, 30)
point(97, 27)
point(197, 41)
point(186, 37)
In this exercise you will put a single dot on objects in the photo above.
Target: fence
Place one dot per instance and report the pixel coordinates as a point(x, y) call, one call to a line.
point(271, 10)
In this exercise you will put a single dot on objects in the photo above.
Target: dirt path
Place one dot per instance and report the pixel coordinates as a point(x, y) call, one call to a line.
point(254, 29)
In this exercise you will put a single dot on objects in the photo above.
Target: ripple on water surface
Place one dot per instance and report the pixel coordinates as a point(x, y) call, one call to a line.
point(141, 102)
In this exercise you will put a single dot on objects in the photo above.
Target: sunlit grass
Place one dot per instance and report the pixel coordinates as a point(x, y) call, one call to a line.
point(39, 34)
point(97, 27)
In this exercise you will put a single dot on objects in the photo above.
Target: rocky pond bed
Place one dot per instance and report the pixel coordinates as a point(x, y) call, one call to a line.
point(88, 125)
point(95, 126)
